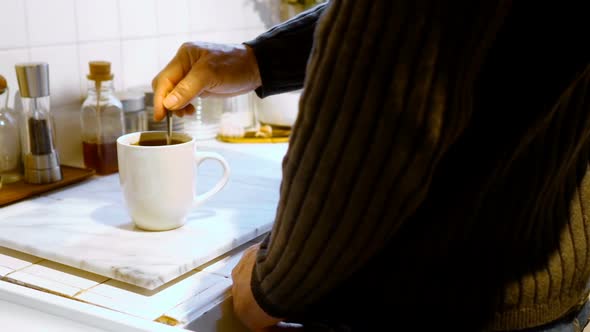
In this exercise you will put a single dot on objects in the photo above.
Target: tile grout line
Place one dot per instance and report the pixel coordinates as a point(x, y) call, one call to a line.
point(51, 279)
point(120, 41)
point(22, 284)
point(29, 46)
point(9, 279)
point(28, 30)
point(82, 291)
point(188, 23)
point(22, 268)
point(77, 31)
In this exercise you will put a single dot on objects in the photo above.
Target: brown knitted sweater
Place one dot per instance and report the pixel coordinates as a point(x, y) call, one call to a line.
point(438, 165)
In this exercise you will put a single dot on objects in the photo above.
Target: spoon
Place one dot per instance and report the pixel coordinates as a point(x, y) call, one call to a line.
point(168, 127)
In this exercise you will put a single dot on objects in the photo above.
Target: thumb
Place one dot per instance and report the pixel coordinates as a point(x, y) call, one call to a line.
point(188, 88)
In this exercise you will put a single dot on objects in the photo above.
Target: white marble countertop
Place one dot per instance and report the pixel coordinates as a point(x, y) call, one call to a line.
point(176, 302)
point(87, 225)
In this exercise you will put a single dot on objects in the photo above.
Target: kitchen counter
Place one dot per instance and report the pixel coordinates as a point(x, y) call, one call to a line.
point(176, 303)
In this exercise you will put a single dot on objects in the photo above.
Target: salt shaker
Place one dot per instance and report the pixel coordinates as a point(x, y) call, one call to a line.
point(41, 159)
point(10, 155)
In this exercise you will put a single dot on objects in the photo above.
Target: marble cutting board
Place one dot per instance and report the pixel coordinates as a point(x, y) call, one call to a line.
point(87, 226)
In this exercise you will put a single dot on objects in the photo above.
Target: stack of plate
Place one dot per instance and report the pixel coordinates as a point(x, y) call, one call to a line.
point(200, 130)
point(204, 122)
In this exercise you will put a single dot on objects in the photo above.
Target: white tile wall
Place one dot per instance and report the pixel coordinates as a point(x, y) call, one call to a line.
point(202, 15)
point(51, 22)
point(138, 18)
point(139, 37)
point(8, 58)
point(12, 24)
point(173, 16)
point(69, 33)
point(64, 73)
point(96, 21)
point(234, 36)
point(140, 60)
point(251, 33)
point(167, 47)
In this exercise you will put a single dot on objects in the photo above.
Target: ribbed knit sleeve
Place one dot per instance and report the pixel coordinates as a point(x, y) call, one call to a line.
point(386, 94)
point(283, 51)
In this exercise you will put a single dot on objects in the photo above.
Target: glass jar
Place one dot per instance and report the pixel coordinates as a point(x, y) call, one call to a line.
point(239, 115)
point(204, 123)
point(102, 120)
point(135, 113)
point(10, 154)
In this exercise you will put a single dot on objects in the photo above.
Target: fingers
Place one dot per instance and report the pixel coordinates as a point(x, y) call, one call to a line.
point(193, 83)
point(187, 110)
point(206, 94)
point(163, 83)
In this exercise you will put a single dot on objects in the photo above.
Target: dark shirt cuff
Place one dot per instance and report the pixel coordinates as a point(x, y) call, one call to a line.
point(283, 51)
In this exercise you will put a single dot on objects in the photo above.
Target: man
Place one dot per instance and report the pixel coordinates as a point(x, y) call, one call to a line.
point(438, 164)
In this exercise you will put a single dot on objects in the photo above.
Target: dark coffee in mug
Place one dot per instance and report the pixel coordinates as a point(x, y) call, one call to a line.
point(157, 142)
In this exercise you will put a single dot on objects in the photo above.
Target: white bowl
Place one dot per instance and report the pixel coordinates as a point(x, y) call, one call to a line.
point(279, 110)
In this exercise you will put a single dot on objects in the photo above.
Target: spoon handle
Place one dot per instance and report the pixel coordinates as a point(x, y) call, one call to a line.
point(168, 127)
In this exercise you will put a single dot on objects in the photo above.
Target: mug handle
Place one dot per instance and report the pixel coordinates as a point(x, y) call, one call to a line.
point(199, 158)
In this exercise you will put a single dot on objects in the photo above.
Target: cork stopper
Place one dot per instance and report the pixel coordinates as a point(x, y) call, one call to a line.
point(100, 71)
point(3, 84)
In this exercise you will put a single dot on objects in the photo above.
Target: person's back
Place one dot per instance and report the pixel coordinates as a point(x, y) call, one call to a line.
point(436, 174)
point(501, 239)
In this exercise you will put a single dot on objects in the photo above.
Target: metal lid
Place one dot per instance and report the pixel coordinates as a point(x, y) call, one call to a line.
point(132, 102)
point(3, 84)
point(33, 79)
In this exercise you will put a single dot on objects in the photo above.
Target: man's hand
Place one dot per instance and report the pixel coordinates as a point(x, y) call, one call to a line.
point(204, 69)
point(245, 306)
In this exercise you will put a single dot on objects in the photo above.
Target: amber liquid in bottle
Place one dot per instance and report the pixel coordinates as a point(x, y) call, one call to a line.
point(101, 157)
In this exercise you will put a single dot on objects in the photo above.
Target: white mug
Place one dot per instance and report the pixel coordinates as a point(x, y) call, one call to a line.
point(159, 182)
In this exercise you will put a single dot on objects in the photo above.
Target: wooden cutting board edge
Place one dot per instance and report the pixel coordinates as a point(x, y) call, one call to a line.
point(14, 192)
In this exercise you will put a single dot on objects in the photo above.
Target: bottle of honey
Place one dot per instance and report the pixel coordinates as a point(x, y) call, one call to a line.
point(102, 120)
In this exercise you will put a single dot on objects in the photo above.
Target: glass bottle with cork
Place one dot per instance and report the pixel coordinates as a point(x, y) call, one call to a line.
point(102, 120)
point(10, 155)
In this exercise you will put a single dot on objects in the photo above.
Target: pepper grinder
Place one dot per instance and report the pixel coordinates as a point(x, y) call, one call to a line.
point(41, 159)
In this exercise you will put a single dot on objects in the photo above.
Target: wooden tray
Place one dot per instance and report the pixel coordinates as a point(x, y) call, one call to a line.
point(253, 139)
point(266, 134)
point(13, 192)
